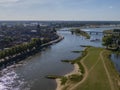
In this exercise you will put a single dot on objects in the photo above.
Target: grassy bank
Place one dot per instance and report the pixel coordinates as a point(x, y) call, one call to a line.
point(115, 75)
point(75, 76)
point(77, 51)
point(97, 73)
point(97, 78)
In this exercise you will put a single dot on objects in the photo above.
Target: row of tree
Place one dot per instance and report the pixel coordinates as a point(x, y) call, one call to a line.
point(22, 48)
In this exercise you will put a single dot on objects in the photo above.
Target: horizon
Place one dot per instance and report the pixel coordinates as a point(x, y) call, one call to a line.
point(60, 10)
point(62, 20)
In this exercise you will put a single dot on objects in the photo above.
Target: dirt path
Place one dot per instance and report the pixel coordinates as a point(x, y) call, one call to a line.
point(85, 75)
point(94, 65)
point(86, 72)
point(107, 72)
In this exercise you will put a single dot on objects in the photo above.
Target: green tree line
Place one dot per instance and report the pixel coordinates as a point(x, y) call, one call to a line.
point(111, 41)
point(22, 48)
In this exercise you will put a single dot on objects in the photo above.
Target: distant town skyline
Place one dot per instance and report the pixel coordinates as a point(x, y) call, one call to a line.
point(80, 10)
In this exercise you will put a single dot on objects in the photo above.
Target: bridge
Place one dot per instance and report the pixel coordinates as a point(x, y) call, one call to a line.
point(90, 32)
point(94, 32)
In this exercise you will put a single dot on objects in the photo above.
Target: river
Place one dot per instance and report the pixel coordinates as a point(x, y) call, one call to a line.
point(30, 73)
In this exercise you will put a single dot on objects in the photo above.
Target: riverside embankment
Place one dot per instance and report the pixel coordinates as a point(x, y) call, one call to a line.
point(12, 59)
point(95, 62)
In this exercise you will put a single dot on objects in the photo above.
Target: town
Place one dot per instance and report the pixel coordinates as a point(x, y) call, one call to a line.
point(11, 35)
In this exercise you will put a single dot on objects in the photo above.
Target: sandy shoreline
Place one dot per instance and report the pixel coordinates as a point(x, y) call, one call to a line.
point(75, 71)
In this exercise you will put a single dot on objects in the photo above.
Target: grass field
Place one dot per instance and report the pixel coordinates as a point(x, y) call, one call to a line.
point(115, 76)
point(101, 73)
point(93, 56)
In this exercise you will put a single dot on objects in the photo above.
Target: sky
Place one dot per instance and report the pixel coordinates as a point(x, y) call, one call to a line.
point(80, 10)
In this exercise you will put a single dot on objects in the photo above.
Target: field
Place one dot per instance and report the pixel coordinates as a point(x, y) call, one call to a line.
point(99, 74)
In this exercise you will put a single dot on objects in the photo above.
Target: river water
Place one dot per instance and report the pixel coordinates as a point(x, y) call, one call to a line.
point(30, 73)
point(116, 60)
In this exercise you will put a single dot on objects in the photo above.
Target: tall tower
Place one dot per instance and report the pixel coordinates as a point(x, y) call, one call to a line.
point(38, 28)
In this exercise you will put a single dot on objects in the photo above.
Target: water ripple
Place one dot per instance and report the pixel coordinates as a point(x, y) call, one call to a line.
point(9, 80)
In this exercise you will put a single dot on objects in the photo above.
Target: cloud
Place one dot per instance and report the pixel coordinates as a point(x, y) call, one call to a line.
point(8, 1)
point(29, 3)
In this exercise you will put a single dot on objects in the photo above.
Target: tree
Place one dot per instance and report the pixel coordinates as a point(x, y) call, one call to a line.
point(107, 41)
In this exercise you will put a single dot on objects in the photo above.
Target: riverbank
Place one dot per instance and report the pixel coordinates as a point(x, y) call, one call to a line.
point(96, 60)
point(76, 75)
point(54, 41)
point(58, 80)
point(4, 62)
